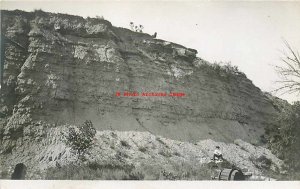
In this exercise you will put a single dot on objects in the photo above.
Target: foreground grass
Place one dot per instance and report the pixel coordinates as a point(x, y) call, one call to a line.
point(95, 171)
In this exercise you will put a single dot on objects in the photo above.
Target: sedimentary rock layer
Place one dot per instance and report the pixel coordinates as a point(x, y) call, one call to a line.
point(62, 69)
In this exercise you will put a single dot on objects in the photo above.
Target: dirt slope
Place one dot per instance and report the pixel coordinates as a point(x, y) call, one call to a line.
point(147, 154)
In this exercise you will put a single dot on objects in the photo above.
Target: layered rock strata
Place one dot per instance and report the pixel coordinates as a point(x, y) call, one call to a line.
point(61, 69)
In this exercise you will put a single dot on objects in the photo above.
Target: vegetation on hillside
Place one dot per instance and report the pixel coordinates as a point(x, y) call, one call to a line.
point(283, 138)
point(80, 139)
point(147, 171)
point(224, 70)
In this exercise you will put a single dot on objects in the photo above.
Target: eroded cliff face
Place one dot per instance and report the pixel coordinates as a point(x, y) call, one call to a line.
point(61, 69)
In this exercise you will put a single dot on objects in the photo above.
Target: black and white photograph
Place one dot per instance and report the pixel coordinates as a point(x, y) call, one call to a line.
point(150, 91)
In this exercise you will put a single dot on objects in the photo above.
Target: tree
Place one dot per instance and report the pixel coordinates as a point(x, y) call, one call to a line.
point(81, 138)
point(283, 137)
point(290, 71)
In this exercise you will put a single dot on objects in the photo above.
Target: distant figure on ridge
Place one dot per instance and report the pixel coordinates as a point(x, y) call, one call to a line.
point(131, 26)
point(136, 28)
point(141, 27)
point(154, 35)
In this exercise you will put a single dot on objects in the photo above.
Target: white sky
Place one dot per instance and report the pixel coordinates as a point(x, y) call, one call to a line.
point(249, 34)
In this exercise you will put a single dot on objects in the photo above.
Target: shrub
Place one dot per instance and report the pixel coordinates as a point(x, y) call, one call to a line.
point(4, 174)
point(262, 162)
point(142, 149)
point(124, 143)
point(81, 138)
point(39, 12)
point(165, 153)
point(100, 17)
point(224, 70)
point(160, 141)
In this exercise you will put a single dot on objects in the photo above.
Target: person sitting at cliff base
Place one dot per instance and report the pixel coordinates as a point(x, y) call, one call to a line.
point(217, 154)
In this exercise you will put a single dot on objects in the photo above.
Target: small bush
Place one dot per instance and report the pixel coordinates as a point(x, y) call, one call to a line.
point(165, 153)
point(169, 175)
point(177, 154)
point(100, 17)
point(39, 12)
point(4, 174)
point(262, 162)
point(255, 142)
point(124, 143)
point(243, 148)
point(80, 139)
point(136, 175)
point(160, 141)
point(120, 155)
point(223, 70)
point(142, 149)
